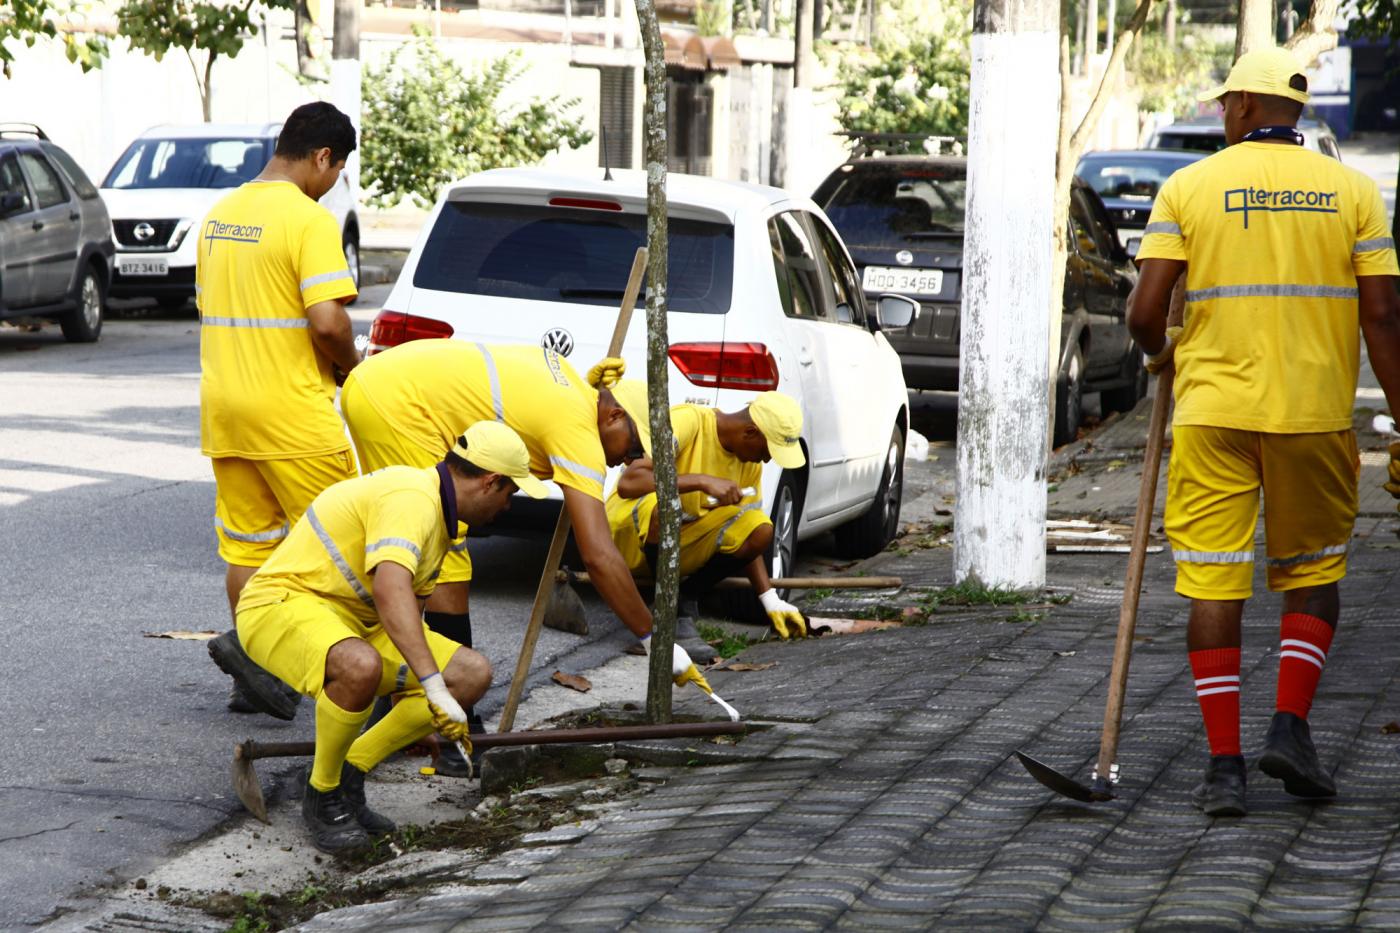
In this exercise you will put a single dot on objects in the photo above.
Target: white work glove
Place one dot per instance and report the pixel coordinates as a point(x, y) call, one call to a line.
point(1162, 357)
point(683, 670)
point(783, 614)
point(449, 718)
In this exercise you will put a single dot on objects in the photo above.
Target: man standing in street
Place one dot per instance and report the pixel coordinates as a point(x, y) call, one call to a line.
point(719, 462)
point(1285, 253)
point(271, 284)
point(336, 612)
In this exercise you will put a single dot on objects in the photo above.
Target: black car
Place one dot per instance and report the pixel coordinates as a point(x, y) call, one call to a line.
point(1127, 181)
point(55, 237)
point(902, 220)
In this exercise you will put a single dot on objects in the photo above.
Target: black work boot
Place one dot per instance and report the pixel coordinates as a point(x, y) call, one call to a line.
point(238, 701)
point(1289, 755)
point(332, 823)
point(261, 689)
point(688, 638)
point(352, 788)
point(1221, 791)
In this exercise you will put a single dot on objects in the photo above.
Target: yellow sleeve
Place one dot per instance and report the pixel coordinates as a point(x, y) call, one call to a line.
point(398, 528)
point(321, 267)
point(685, 426)
point(1374, 252)
point(577, 459)
point(1163, 237)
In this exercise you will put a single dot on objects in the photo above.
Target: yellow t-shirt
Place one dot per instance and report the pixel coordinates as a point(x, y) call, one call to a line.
point(394, 514)
point(267, 252)
point(433, 390)
point(698, 450)
point(1274, 237)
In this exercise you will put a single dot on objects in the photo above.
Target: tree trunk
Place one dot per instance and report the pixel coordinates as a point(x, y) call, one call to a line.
point(802, 43)
point(668, 500)
point(1256, 26)
point(206, 90)
point(346, 76)
point(1112, 16)
point(1169, 28)
point(999, 524)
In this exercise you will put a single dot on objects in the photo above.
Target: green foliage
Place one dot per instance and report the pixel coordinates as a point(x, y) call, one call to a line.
point(726, 645)
point(714, 17)
point(1376, 19)
point(427, 122)
point(31, 20)
point(913, 82)
point(1170, 78)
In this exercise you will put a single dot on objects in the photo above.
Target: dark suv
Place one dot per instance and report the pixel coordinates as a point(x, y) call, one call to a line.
point(902, 220)
point(55, 237)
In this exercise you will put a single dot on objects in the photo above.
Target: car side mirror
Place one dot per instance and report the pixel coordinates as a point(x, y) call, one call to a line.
point(895, 311)
point(1133, 245)
point(10, 202)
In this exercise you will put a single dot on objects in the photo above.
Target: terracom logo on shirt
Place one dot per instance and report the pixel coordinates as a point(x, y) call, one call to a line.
point(1244, 200)
point(238, 233)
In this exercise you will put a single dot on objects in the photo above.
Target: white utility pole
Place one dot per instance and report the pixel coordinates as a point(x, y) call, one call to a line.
point(1108, 31)
point(345, 76)
point(1013, 127)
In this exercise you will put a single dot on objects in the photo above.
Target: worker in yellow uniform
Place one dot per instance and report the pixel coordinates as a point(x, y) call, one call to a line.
point(719, 467)
point(271, 283)
point(1288, 260)
point(336, 613)
point(405, 403)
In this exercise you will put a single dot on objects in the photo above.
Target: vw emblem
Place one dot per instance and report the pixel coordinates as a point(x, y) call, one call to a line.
point(559, 340)
point(904, 257)
point(144, 231)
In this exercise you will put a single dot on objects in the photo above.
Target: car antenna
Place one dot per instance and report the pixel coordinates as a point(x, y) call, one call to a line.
point(607, 163)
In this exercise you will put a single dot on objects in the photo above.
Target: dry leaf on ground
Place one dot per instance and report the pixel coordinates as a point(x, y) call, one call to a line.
point(746, 666)
point(182, 635)
point(573, 681)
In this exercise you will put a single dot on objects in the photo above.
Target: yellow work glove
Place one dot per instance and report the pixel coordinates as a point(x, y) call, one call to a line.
point(606, 372)
point(683, 670)
point(783, 615)
point(1392, 485)
point(449, 719)
point(449, 728)
point(692, 675)
point(1162, 357)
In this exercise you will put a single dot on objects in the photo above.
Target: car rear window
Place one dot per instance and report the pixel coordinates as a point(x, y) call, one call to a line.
point(893, 206)
point(1127, 177)
point(570, 255)
point(1199, 142)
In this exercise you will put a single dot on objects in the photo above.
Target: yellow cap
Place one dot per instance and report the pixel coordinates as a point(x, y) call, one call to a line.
point(779, 417)
point(495, 448)
point(1263, 71)
point(631, 394)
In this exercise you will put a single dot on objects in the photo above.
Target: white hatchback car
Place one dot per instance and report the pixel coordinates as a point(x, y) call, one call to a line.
point(762, 295)
point(164, 184)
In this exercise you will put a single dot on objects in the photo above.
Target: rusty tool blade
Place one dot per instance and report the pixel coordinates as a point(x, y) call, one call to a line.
point(1064, 785)
point(246, 785)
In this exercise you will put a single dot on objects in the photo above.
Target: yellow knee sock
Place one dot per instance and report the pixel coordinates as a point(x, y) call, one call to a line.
point(406, 723)
point(336, 730)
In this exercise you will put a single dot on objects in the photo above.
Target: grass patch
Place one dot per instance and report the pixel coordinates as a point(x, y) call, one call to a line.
point(1025, 615)
point(974, 593)
point(724, 642)
point(882, 613)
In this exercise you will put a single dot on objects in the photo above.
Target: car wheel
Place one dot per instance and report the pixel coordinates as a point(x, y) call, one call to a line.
point(868, 535)
point(1069, 400)
point(350, 243)
point(84, 323)
point(741, 604)
point(1125, 398)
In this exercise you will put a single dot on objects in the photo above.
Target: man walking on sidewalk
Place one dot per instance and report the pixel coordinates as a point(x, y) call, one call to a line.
point(271, 284)
point(1285, 251)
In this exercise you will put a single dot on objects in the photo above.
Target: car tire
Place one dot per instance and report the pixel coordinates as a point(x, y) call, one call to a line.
point(350, 244)
point(1069, 400)
point(84, 323)
point(742, 605)
point(870, 533)
point(1125, 398)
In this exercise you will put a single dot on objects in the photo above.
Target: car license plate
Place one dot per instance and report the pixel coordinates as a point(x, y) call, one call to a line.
point(911, 281)
point(142, 265)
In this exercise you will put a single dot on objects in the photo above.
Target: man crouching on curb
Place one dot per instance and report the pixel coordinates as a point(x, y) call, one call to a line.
point(337, 613)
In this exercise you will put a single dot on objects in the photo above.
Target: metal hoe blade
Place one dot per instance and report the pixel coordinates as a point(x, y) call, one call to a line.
point(246, 786)
point(1066, 786)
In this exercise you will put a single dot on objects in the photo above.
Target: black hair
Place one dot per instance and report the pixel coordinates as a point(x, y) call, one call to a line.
point(1286, 109)
point(456, 461)
point(315, 126)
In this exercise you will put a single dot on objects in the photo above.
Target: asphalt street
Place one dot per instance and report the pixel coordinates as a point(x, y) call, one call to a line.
point(119, 745)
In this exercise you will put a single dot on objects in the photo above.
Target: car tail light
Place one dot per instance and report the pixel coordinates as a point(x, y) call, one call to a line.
point(392, 328)
point(747, 366)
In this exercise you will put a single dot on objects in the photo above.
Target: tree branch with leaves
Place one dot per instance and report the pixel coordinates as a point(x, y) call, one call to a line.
point(30, 21)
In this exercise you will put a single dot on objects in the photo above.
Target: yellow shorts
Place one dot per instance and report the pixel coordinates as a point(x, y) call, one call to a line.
point(1310, 503)
point(721, 530)
point(256, 502)
point(379, 445)
point(292, 638)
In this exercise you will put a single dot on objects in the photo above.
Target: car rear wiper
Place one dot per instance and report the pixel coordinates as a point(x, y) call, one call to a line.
point(595, 293)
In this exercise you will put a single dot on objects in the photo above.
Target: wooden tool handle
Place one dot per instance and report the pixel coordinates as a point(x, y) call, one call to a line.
point(561, 530)
point(1137, 557)
point(779, 583)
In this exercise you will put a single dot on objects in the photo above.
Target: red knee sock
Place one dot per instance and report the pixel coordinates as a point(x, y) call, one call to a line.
point(1217, 673)
point(1304, 641)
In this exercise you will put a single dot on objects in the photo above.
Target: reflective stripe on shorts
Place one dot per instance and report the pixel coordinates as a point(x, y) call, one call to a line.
point(1332, 551)
point(256, 537)
point(1213, 557)
point(338, 559)
point(734, 518)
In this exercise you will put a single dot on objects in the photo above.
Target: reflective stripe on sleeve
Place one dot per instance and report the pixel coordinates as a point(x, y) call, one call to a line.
point(1214, 557)
point(1332, 551)
point(1366, 246)
point(458, 547)
point(256, 537)
point(338, 559)
point(1163, 227)
point(496, 404)
point(1272, 291)
point(323, 278)
point(280, 323)
point(578, 468)
point(404, 543)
